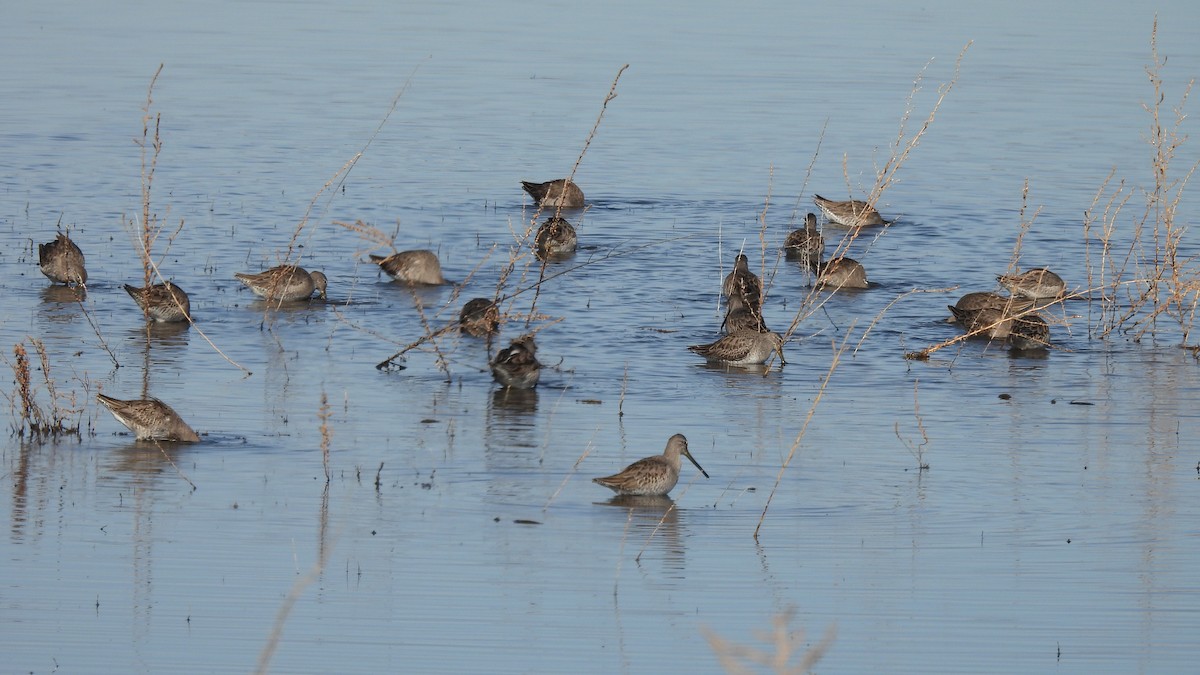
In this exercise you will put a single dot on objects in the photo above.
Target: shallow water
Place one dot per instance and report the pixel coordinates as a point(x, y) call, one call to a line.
point(1054, 529)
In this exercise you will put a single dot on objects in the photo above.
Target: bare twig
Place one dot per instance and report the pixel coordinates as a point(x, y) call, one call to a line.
point(838, 350)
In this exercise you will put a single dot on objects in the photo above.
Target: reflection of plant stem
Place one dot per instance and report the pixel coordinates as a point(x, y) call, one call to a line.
point(285, 609)
point(657, 526)
point(737, 658)
point(918, 452)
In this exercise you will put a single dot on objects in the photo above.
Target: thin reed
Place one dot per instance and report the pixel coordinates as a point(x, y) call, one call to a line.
point(150, 226)
point(1146, 278)
point(886, 176)
point(323, 414)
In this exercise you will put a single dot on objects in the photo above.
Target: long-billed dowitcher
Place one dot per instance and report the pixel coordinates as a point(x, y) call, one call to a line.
point(743, 348)
point(988, 322)
point(285, 283)
point(742, 285)
point(62, 261)
point(654, 475)
point(516, 366)
point(150, 419)
point(743, 318)
point(555, 193)
point(987, 300)
point(412, 267)
point(479, 317)
point(555, 238)
point(805, 244)
point(163, 302)
point(1029, 332)
point(1036, 284)
point(850, 213)
point(842, 273)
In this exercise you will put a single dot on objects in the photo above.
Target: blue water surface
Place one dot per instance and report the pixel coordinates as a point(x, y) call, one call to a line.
point(1054, 529)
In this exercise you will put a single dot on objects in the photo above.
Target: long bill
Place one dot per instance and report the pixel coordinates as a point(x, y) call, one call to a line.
point(695, 463)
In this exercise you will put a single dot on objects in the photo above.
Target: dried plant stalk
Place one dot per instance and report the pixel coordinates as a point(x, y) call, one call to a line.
point(30, 418)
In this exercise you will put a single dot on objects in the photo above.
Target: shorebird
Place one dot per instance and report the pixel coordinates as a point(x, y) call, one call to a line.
point(516, 366)
point(163, 302)
point(850, 213)
point(1029, 332)
point(654, 475)
point(989, 322)
point(284, 283)
point(742, 286)
point(842, 273)
point(555, 238)
point(1036, 284)
point(988, 300)
point(479, 317)
point(149, 419)
point(805, 244)
point(62, 261)
point(743, 318)
point(555, 193)
point(412, 267)
point(743, 348)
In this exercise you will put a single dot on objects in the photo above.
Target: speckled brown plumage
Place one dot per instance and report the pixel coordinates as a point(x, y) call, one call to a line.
point(516, 366)
point(285, 283)
point(742, 348)
point(163, 302)
point(62, 261)
point(654, 475)
point(850, 213)
point(150, 419)
point(555, 193)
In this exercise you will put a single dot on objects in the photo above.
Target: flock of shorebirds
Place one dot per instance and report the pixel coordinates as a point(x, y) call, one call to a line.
point(746, 341)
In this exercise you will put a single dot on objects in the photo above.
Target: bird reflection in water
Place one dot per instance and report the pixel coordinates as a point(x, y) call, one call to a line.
point(653, 523)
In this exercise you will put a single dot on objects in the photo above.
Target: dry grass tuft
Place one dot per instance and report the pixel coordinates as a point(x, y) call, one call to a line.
point(1150, 279)
point(30, 418)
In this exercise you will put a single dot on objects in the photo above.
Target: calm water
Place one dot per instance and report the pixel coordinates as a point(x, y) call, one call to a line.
point(1056, 528)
